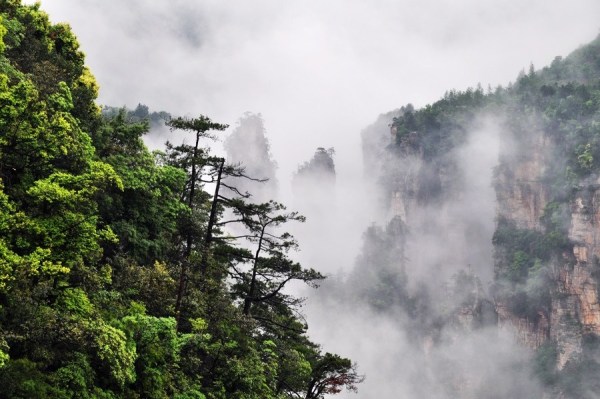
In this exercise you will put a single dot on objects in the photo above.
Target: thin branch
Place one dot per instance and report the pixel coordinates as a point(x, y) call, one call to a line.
point(273, 293)
point(285, 327)
point(238, 192)
point(229, 221)
point(233, 237)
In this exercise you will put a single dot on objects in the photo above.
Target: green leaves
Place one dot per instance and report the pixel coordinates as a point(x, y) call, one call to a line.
point(76, 302)
point(202, 124)
point(98, 237)
point(145, 210)
point(116, 354)
point(331, 373)
point(585, 157)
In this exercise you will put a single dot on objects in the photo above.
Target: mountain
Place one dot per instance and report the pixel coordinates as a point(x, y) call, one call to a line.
point(494, 206)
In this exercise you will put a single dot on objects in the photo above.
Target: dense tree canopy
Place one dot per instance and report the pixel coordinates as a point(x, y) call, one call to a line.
point(115, 263)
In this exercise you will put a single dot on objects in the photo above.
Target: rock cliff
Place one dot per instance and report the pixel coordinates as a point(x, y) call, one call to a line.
point(527, 235)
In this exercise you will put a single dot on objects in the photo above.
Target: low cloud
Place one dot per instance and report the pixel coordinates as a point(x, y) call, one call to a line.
point(317, 71)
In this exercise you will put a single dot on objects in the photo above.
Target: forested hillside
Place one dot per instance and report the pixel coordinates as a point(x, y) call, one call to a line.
point(492, 198)
point(117, 276)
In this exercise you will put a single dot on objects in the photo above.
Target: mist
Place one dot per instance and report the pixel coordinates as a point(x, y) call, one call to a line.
point(319, 73)
point(405, 311)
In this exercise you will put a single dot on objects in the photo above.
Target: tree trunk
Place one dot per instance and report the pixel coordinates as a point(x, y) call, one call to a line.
point(211, 220)
point(188, 242)
point(248, 300)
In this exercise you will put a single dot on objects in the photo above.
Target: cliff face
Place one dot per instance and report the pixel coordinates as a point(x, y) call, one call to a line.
point(575, 307)
point(520, 190)
point(550, 298)
point(522, 198)
point(546, 245)
point(581, 281)
point(529, 232)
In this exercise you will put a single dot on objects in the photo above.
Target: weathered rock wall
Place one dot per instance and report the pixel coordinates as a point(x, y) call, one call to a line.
point(522, 196)
point(520, 190)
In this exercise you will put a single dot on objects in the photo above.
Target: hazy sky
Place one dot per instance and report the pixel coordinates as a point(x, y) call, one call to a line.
point(318, 71)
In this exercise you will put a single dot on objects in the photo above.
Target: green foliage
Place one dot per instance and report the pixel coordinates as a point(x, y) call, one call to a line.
point(116, 355)
point(22, 379)
point(76, 380)
point(202, 124)
point(228, 362)
point(145, 212)
point(439, 127)
point(49, 55)
point(270, 268)
point(96, 233)
point(3, 31)
point(151, 286)
point(330, 374)
point(157, 353)
point(75, 301)
point(4, 357)
point(523, 256)
point(585, 158)
point(522, 249)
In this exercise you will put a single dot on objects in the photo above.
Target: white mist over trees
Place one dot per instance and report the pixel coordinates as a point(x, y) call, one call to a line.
point(313, 184)
point(488, 268)
point(317, 71)
point(414, 307)
point(248, 146)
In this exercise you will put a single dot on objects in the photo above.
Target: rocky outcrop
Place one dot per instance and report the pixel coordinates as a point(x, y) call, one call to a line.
point(579, 284)
point(565, 329)
point(521, 193)
point(547, 254)
point(530, 333)
point(575, 307)
point(574, 310)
